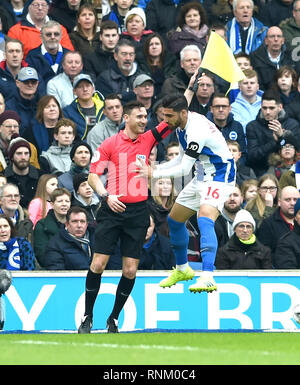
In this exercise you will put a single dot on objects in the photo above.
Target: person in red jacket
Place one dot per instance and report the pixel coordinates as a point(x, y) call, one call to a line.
point(28, 29)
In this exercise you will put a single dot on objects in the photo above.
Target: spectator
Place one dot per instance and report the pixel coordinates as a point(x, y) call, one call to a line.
point(275, 11)
point(290, 26)
point(47, 57)
point(243, 250)
point(9, 126)
point(135, 24)
point(24, 101)
point(47, 227)
point(20, 172)
point(282, 160)
point(2, 103)
point(56, 159)
point(113, 111)
point(119, 78)
point(65, 12)
point(172, 150)
point(224, 222)
point(243, 172)
point(291, 177)
point(103, 57)
point(265, 132)
point(143, 87)
point(270, 56)
point(16, 253)
point(12, 11)
point(191, 28)
point(28, 29)
point(281, 221)
point(220, 114)
point(80, 155)
point(156, 61)
point(10, 67)
point(266, 201)
point(85, 35)
point(40, 205)
point(162, 15)
point(200, 101)
point(118, 12)
point(87, 109)
point(84, 196)
point(72, 247)
point(163, 195)
point(190, 60)
point(245, 33)
point(287, 252)
point(248, 100)
point(285, 83)
point(10, 206)
point(248, 190)
point(61, 85)
point(41, 130)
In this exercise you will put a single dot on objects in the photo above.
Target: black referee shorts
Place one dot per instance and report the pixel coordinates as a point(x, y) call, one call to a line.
point(130, 227)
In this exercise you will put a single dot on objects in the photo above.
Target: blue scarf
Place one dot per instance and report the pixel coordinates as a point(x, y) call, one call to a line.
point(13, 249)
point(15, 218)
point(235, 41)
point(49, 59)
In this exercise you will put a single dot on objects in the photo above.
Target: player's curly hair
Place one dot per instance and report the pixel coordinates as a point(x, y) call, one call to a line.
point(176, 102)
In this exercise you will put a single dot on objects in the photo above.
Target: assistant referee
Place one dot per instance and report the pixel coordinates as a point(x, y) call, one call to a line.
point(123, 216)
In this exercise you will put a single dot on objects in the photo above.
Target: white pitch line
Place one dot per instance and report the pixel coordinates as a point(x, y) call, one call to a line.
point(141, 347)
point(112, 346)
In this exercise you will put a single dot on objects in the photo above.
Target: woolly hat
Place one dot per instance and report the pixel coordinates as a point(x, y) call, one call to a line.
point(78, 144)
point(15, 143)
point(243, 216)
point(9, 114)
point(136, 11)
point(289, 138)
point(78, 179)
point(297, 206)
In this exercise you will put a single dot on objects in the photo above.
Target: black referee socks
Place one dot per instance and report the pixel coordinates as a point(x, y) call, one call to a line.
point(123, 292)
point(92, 287)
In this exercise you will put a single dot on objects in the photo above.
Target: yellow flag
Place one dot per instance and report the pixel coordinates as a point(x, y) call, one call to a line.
point(218, 58)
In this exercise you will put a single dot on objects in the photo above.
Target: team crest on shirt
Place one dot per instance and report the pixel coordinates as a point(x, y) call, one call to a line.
point(96, 157)
point(140, 157)
point(233, 135)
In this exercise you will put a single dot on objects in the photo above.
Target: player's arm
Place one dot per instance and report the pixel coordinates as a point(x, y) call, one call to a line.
point(176, 170)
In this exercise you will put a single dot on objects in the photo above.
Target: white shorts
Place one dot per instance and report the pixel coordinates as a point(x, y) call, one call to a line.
point(197, 193)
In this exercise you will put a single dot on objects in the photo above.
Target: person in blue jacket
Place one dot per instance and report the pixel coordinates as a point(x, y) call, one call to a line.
point(245, 33)
point(87, 109)
point(220, 114)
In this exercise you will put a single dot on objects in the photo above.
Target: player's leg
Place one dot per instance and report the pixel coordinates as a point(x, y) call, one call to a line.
point(92, 287)
point(207, 216)
point(179, 239)
point(124, 289)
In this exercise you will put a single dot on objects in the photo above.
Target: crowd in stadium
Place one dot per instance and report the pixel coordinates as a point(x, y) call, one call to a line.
point(68, 68)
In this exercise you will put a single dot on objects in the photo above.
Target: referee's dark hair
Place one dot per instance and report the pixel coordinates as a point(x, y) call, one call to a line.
point(176, 102)
point(132, 105)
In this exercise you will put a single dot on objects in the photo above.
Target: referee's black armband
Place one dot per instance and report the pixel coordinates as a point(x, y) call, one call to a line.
point(192, 150)
point(159, 135)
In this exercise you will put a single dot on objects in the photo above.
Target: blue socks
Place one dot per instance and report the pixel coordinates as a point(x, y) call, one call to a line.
point(208, 243)
point(179, 237)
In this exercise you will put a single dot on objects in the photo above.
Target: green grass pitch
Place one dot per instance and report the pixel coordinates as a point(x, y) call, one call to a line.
point(151, 349)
